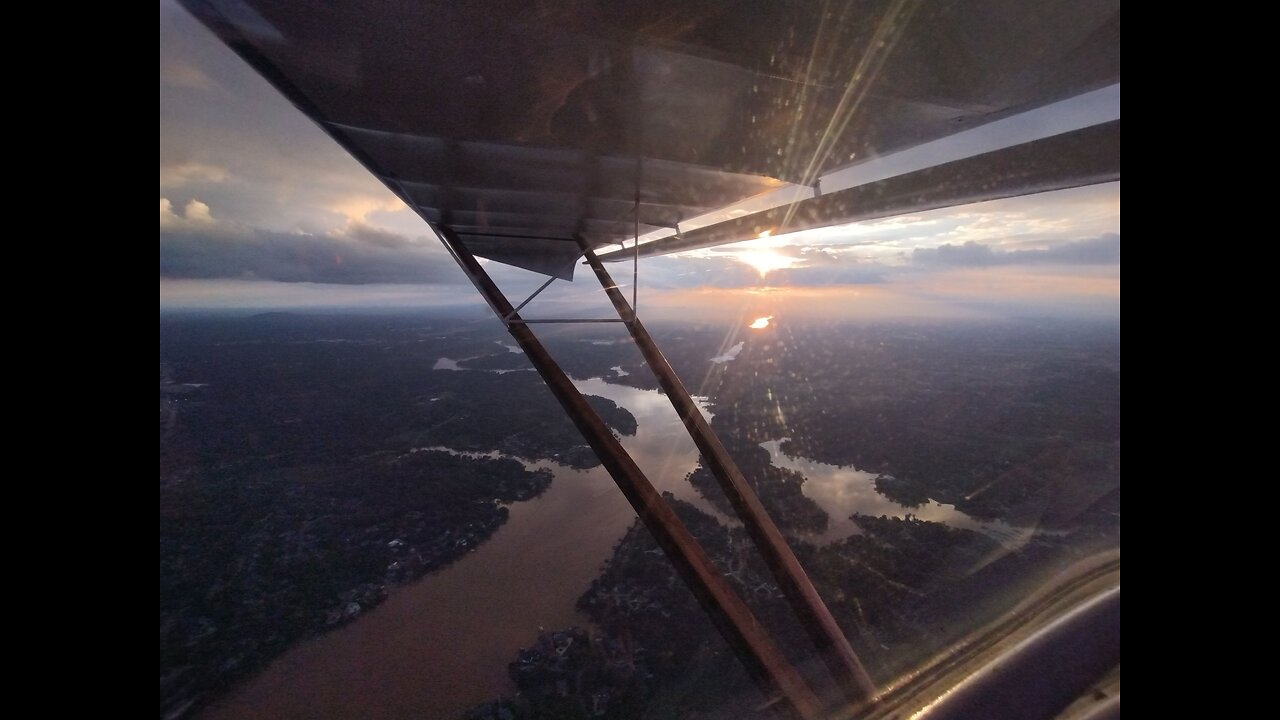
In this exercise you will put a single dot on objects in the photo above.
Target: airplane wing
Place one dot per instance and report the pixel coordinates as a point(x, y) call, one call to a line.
point(688, 123)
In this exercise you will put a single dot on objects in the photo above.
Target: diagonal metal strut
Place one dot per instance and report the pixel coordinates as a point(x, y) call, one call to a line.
point(750, 640)
point(813, 613)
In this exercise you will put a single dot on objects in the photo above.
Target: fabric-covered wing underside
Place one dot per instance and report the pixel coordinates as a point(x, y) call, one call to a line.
point(521, 125)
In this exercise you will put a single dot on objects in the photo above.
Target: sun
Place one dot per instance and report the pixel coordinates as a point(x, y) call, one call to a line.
point(766, 261)
point(761, 323)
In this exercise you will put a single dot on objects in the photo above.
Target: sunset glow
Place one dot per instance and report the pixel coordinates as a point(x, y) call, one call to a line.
point(761, 323)
point(766, 261)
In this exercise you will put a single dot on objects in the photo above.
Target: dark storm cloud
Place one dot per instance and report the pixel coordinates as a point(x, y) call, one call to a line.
point(360, 256)
point(1102, 250)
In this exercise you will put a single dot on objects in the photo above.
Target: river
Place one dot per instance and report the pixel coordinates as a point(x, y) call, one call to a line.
point(843, 491)
point(441, 644)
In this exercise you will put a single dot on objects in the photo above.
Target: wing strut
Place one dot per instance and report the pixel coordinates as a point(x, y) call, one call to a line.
point(808, 606)
point(773, 673)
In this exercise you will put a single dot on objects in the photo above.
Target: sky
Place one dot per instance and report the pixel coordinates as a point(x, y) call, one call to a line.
point(260, 209)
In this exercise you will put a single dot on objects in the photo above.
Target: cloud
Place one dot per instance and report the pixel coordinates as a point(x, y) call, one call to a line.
point(783, 261)
point(839, 272)
point(193, 246)
point(819, 255)
point(361, 206)
point(366, 234)
point(197, 212)
point(734, 267)
point(1024, 291)
point(970, 254)
point(177, 175)
point(1102, 250)
point(259, 295)
point(194, 216)
point(230, 139)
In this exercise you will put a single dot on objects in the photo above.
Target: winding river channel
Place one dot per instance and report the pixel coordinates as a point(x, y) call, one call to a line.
point(441, 644)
